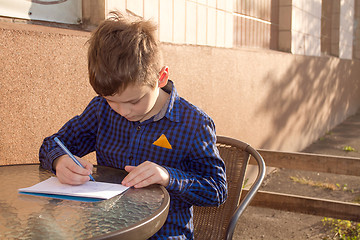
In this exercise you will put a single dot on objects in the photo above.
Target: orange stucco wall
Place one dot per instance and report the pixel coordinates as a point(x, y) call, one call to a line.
point(269, 99)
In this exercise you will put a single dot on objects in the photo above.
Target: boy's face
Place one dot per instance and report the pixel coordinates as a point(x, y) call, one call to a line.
point(135, 103)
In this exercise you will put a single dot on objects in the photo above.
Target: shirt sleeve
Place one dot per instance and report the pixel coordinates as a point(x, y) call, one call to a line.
point(203, 183)
point(78, 135)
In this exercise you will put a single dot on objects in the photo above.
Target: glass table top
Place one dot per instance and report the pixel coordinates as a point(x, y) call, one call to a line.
point(23, 216)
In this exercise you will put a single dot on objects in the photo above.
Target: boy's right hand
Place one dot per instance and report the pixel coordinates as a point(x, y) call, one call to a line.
point(68, 172)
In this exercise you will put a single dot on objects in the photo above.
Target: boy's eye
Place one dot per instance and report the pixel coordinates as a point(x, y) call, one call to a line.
point(135, 102)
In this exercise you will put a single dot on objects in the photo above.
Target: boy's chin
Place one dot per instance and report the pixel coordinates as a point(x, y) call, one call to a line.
point(131, 119)
point(137, 118)
point(134, 119)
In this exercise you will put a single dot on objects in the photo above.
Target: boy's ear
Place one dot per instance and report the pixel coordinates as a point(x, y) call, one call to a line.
point(164, 76)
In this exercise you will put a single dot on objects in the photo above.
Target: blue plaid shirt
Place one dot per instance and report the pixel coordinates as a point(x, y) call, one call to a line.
point(197, 173)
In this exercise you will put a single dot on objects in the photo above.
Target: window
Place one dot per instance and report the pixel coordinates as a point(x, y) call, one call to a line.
point(256, 23)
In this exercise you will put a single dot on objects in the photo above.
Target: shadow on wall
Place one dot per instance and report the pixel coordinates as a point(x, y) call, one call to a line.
point(323, 89)
point(271, 100)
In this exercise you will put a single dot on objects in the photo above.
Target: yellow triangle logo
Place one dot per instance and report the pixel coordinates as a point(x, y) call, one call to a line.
point(163, 142)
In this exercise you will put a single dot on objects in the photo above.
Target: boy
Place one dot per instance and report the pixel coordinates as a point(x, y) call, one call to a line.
point(140, 124)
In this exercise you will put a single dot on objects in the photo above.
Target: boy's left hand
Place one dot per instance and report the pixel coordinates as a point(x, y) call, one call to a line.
point(146, 174)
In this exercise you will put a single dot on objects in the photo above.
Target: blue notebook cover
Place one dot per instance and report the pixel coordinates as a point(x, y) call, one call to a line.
point(64, 197)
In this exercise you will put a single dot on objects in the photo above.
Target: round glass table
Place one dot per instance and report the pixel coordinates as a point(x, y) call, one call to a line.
point(135, 214)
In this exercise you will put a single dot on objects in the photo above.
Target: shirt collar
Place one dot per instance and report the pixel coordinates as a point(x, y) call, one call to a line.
point(170, 109)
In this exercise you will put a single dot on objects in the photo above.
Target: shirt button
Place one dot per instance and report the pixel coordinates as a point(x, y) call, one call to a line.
point(131, 158)
point(138, 128)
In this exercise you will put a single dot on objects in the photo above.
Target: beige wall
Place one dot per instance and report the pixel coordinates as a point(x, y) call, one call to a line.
point(270, 99)
point(43, 79)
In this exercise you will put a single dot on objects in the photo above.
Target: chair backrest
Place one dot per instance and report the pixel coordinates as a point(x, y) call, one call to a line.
point(220, 222)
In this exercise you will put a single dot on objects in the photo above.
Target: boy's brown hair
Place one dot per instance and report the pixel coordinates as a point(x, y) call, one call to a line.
point(123, 51)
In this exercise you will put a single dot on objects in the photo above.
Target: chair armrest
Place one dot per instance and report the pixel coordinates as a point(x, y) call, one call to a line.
point(251, 193)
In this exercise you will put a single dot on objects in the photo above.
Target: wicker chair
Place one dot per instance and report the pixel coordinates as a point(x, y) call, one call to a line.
point(220, 222)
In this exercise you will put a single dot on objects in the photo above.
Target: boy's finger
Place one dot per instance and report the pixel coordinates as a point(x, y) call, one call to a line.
point(69, 177)
point(86, 164)
point(75, 181)
point(129, 168)
point(152, 179)
point(79, 170)
point(136, 175)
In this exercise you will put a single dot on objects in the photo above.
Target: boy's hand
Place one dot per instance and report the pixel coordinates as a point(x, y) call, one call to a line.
point(68, 172)
point(146, 174)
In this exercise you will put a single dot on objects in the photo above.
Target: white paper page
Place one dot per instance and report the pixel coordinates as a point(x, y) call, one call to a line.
point(89, 189)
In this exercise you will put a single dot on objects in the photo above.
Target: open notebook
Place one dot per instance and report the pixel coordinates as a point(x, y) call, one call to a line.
point(88, 192)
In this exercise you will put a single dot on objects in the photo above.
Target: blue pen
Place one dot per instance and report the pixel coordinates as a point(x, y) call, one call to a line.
point(57, 140)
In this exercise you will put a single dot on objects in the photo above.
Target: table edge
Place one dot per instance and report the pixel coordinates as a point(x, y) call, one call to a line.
point(141, 229)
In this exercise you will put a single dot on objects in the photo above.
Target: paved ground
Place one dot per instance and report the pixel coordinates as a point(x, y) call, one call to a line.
point(262, 223)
